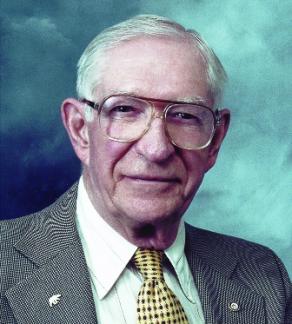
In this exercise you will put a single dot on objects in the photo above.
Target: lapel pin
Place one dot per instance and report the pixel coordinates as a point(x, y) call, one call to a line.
point(234, 307)
point(54, 300)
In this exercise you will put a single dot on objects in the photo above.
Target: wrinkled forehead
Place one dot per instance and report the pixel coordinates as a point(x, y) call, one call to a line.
point(165, 68)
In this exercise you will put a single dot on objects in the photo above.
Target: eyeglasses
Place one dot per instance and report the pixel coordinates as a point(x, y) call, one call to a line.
point(125, 118)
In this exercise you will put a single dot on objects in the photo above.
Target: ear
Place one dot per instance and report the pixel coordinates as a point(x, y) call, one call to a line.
point(73, 117)
point(218, 138)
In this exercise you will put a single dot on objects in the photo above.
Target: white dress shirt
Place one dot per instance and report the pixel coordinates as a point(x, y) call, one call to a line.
point(115, 284)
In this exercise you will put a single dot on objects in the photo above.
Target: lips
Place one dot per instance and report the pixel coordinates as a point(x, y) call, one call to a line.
point(153, 178)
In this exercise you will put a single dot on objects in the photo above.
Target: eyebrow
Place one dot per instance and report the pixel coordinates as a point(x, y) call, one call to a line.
point(194, 99)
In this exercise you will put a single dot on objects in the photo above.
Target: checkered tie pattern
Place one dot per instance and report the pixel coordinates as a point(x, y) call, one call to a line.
point(157, 304)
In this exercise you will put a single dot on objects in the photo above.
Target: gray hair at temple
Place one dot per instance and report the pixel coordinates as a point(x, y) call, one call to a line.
point(93, 60)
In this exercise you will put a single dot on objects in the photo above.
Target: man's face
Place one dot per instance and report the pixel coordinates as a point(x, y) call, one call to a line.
point(149, 181)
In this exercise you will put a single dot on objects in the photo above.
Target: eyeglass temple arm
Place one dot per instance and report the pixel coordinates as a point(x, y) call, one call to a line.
point(92, 104)
point(217, 117)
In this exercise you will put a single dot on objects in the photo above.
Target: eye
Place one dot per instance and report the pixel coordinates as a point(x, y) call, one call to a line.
point(123, 109)
point(185, 118)
point(124, 112)
point(183, 115)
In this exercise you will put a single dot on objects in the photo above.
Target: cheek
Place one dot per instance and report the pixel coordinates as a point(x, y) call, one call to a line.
point(195, 164)
point(104, 156)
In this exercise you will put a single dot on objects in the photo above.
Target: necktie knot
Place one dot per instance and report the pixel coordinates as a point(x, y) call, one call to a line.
point(149, 263)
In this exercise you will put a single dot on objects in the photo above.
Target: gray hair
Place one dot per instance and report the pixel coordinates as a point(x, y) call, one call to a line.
point(92, 61)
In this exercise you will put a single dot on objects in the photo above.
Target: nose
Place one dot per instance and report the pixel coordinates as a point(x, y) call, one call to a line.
point(155, 145)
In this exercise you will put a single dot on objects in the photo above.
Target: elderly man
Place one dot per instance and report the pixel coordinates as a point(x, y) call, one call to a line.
point(114, 248)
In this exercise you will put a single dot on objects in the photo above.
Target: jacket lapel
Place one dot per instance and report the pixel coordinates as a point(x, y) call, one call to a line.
point(224, 299)
point(59, 289)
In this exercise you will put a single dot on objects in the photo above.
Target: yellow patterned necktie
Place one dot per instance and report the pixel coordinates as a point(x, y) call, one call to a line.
point(157, 304)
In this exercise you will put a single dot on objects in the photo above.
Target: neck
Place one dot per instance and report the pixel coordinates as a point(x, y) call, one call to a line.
point(153, 236)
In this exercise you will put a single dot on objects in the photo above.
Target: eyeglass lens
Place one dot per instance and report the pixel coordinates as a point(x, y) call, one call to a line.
point(125, 119)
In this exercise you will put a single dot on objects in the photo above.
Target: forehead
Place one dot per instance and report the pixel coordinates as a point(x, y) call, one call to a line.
point(161, 68)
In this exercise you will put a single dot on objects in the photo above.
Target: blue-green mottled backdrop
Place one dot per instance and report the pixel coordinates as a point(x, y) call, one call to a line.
point(248, 193)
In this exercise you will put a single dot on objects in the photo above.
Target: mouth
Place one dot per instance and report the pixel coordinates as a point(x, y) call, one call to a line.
point(154, 186)
point(153, 179)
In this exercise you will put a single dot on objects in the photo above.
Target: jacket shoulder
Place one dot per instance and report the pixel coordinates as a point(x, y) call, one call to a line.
point(207, 243)
point(19, 225)
point(210, 240)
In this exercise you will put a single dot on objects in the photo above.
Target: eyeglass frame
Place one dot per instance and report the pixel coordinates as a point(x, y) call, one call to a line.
point(98, 107)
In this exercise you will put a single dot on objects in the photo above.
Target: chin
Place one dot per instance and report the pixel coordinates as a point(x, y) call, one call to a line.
point(153, 211)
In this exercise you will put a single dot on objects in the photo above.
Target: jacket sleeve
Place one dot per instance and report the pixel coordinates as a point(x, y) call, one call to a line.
point(288, 291)
point(287, 285)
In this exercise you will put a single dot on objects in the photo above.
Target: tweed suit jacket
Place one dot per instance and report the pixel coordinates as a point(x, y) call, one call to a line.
point(41, 256)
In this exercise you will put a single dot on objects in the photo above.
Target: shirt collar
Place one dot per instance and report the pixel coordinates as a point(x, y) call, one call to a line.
point(98, 238)
point(176, 255)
